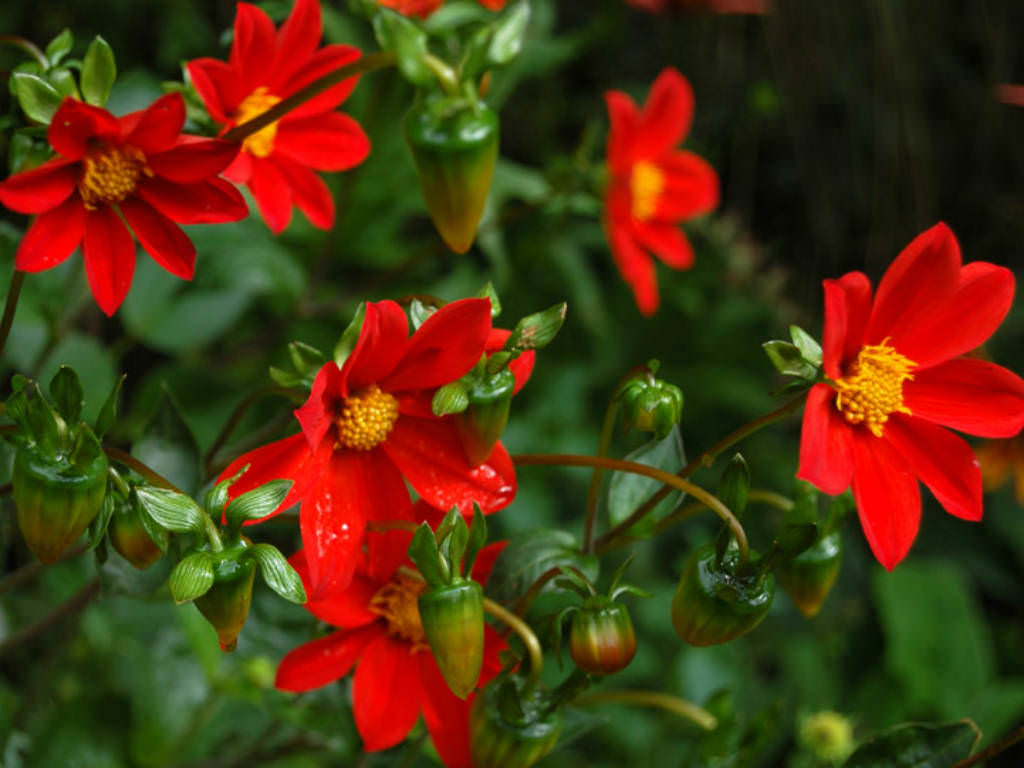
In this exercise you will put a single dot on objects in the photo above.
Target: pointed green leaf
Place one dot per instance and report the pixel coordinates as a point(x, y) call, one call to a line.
point(917, 745)
point(66, 390)
point(531, 554)
point(807, 344)
point(423, 552)
point(454, 545)
point(488, 292)
point(349, 337)
point(477, 540)
point(307, 359)
point(98, 72)
point(108, 413)
point(537, 330)
point(620, 572)
point(217, 496)
point(277, 573)
point(735, 485)
point(788, 360)
point(509, 31)
point(59, 47)
point(170, 510)
point(257, 503)
point(626, 491)
point(396, 33)
point(38, 99)
point(451, 398)
point(192, 577)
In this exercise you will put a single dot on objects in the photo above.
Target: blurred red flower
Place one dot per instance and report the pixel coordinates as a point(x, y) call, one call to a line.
point(139, 166)
point(264, 67)
point(424, 8)
point(653, 186)
point(897, 378)
point(380, 634)
point(368, 428)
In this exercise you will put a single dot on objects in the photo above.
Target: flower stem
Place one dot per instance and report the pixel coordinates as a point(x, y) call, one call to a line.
point(367, 63)
point(670, 481)
point(673, 704)
point(993, 749)
point(29, 47)
point(595, 479)
point(151, 475)
point(445, 75)
point(236, 416)
point(10, 306)
point(529, 639)
point(771, 498)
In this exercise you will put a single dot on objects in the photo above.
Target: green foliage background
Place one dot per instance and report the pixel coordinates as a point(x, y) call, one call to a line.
point(839, 132)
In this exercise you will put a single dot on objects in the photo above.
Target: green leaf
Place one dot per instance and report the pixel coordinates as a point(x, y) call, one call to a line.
point(108, 413)
point(277, 573)
point(451, 398)
point(531, 554)
point(916, 745)
point(788, 360)
point(63, 81)
point(98, 72)
point(59, 47)
point(508, 34)
point(192, 577)
point(170, 510)
point(537, 330)
point(626, 491)
point(454, 545)
point(807, 344)
point(409, 42)
point(168, 445)
point(419, 312)
point(349, 337)
point(66, 390)
point(306, 359)
point(38, 99)
point(423, 552)
point(257, 503)
point(217, 496)
point(734, 485)
point(476, 542)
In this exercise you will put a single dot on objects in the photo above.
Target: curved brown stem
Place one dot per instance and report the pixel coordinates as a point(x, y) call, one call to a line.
point(151, 475)
point(993, 749)
point(10, 305)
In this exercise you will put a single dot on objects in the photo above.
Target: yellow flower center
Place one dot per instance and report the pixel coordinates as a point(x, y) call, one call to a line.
point(366, 419)
point(646, 183)
point(256, 103)
point(873, 389)
point(110, 174)
point(397, 603)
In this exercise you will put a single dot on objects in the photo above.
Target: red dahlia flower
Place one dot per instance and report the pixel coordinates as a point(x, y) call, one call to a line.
point(652, 185)
point(896, 378)
point(424, 8)
point(380, 634)
point(139, 166)
point(368, 427)
point(265, 67)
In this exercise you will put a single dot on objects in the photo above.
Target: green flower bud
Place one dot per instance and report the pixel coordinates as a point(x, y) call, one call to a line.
point(453, 621)
point(808, 577)
point(601, 637)
point(226, 604)
point(56, 496)
point(481, 424)
point(129, 536)
point(651, 405)
point(455, 146)
point(510, 730)
point(715, 602)
point(828, 736)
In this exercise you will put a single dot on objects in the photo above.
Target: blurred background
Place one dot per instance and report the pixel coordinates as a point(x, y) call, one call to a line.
point(839, 133)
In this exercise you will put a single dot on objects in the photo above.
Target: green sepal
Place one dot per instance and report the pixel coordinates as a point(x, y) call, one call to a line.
point(108, 413)
point(257, 503)
point(488, 292)
point(453, 546)
point(59, 47)
point(477, 540)
point(98, 72)
point(453, 397)
point(809, 576)
point(453, 622)
point(171, 510)
point(98, 527)
point(538, 330)
point(217, 497)
point(789, 360)
point(809, 347)
point(306, 363)
point(350, 336)
point(276, 572)
point(38, 99)
point(419, 312)
point(423, 552)
point(507, 34)
point(62, 79)
point(482, 423)
point(135, 536)
point(226, 605)
point(394, 32)
point(68, 398)
point(733, 487)
point(192, 577)
point(800, 523)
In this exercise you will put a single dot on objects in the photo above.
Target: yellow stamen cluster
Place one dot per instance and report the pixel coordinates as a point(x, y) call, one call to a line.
point(646, 183)
point(110, 174)
point(873, 389)
point(256, 103)
point(366, 419)
point(397, 603)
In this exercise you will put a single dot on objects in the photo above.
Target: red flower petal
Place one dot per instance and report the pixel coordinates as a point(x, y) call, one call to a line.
point(52, 237)
point(194, 159)
point(309, 191)
point(320, 409)
point(75, 123)
point(296, 41)
point(485, 560)
point(213, 201)
point(109, 252)
point(386, 693)
point(218, 86)
point(40, 189)
point(272, 193)
point(887, 495)
point(240, 170)
point(253, 48)
point(963, 322)
point(636, 267)
point(388, 550)
point(161, 238)
point(624, 118)
point(159, 125)
point(942, 461)
point(430, 456)
point(973, 396)
point(666, 116)
point(382, 343)
point(666, 241)
point(349, 608)
point(447, 345)
point(691, 187)
point(287, 459)
point(446, 716)
point(847, 307)
point(924, 276)
point(323, 661)
point(327, 59)
point(826, 451)
point(328, 142)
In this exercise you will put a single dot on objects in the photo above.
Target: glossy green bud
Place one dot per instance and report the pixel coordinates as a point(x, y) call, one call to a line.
point(808, 577)
point(57, 497)
point(651, 405)
point(129, 537)
point(226, 604)
point(454, 143)
point(509, 730)
point(481, 424)
point(601, 637)
point(453, 621)
point(714, 602)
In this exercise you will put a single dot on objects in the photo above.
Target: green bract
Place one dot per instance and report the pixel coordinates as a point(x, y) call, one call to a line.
point(808, 577)
point(482, 422)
